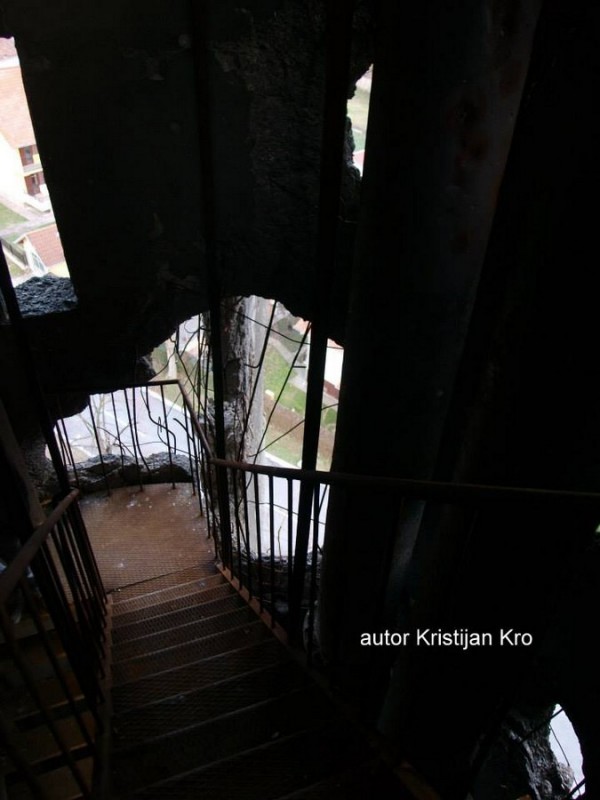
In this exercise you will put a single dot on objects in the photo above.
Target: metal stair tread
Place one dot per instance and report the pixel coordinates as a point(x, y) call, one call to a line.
point(199, 673)
point(367, 780)
point(165, 581)
point(217, 738)
point(178, 601)
point(174, 591)
point(135, 668)
point(268, 771)
point(58, 784)
point(199, 628)
point(200, 705)
point(38, 745)
point(173, 619)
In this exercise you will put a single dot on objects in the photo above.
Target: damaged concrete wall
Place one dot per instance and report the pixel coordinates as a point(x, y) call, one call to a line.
point(113, 98)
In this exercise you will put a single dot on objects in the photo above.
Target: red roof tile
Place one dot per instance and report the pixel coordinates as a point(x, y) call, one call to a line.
point(47, 245)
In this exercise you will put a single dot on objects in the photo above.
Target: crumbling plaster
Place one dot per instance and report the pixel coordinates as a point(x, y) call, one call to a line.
point(112, 92)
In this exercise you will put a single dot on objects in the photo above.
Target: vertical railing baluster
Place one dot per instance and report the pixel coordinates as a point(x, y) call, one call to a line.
point(51, 655)
point(7, 628)
point(60, 609)
point(135, 452)
point(236, 516)
point(290, 538)
point(312, 595)
point(99, 446)
point(136, 432)
point(83, 541)
point(248, 548)
point(8, 745)
point(190, 443)
point(164, 406)
point(85, 579)
point(86, 626)
point(118, 430)
point(65, 446)
point(258, 541)
point(272, 545)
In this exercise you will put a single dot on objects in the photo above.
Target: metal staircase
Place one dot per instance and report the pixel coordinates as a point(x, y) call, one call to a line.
point(207, 702)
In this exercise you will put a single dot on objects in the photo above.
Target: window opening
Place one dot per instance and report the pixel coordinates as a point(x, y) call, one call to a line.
point(358, 111)
point(565, 746)
point(28, 232)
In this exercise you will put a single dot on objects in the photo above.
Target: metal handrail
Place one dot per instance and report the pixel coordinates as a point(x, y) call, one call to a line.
point(60, 557)
point(19, 565)
point(422, 490)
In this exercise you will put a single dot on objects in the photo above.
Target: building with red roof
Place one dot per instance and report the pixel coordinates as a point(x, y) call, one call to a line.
point(22, 174)
point(44, 252)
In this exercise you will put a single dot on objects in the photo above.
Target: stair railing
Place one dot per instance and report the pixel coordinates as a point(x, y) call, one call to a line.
point(53, 588)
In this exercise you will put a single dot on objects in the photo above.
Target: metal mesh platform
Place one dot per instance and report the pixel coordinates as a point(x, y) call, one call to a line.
point(138, 535)
point(205, 700)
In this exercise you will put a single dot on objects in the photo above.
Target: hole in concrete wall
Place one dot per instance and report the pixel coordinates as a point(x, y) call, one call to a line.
point(30, 238)
point(265, 354)
point(565, 746)
point(285, 391)
point(358, 111)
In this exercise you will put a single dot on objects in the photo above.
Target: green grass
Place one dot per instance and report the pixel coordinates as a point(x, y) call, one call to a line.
point(14, 269)
point(276, 370)
point(8, 217)
point(358, 111)
point(289, 447)
point(329, 418)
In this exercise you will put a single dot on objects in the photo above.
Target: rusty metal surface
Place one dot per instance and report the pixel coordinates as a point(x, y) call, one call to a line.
point(153, 663)
point(173, 599)
point(202, 673)
point(174, 619)
point(138, 535)
point(199, 705)
point(221, 737)
point(204, 574)
point(268, 771)
point(182, 634)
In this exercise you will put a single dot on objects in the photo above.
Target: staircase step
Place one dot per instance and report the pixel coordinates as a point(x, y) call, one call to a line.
point(201, 673)
point(153, 663)
point(181, 635)
point(269, 771)
point(173, 619)
point(59, 784)
point(16, 700)
point(199, 705)
point(173, 599)
point(195, 573)
point(39, 666)
point(373, 779)
point(219, 738)
point(38, 744)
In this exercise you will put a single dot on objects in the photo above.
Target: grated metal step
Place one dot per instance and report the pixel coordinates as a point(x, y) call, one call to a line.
point(173, 619)
point(171, 591)
point(196, 573)
point(218, 738)
point(58, 784)
point(197, 675)
point(364, 782)
point(37, 745)
point(16, 700)
point(199, 705)
point(182, 634)
point(153, 663)
point(176, 599)
point(269, 771)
